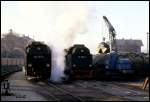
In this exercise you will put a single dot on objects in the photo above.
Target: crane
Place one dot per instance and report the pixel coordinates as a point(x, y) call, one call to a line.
point(112, 34)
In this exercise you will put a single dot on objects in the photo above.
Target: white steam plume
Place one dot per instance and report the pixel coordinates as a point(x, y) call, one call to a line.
point(57, 23)
point(70, 23)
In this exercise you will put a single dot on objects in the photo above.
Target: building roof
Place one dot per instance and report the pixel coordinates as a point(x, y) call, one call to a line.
point(129, 42)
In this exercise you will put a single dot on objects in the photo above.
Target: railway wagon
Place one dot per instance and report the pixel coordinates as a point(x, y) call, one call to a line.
point(12, 61)
point(10, 65)
point(38, 60)
point(78, 62)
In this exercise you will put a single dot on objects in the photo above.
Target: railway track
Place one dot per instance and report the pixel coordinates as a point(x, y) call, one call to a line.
point(51, 90)
point(63, 95)
point(116, 89)
point(79, 90)
point(83, 93)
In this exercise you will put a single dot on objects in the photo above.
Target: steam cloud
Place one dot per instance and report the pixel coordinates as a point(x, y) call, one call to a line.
point(56, 23)
point(68, 25)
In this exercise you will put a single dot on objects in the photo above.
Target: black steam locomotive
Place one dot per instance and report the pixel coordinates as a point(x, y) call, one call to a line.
point(38, 60)
point(78, 62)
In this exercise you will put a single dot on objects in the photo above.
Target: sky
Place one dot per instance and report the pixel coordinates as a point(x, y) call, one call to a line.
point(45, 19)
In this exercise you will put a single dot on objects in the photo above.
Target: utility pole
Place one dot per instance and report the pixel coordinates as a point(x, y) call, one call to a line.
point(147, 42)
point(110, 42)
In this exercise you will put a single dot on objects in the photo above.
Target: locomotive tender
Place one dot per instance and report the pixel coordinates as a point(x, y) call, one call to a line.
point(38, 60)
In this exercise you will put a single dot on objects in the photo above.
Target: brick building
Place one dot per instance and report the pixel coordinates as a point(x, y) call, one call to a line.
point(123, 46)
point(129, 45)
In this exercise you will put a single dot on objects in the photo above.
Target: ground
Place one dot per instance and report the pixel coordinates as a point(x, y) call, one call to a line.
point(22, 89)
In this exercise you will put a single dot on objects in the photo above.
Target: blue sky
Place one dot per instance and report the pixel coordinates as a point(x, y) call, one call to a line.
point(129, 18)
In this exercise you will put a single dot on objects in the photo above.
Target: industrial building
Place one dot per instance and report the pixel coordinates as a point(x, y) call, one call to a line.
point(129, 45)
point(125, 45)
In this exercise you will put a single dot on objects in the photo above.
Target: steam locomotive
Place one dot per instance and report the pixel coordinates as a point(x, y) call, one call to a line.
point(78, 62)
point(38, 60)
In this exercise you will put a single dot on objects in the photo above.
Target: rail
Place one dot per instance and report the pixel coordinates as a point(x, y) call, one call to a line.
point(67, 94)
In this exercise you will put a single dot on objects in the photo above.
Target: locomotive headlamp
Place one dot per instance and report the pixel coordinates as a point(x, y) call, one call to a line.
point(39, 48)
point(29, 65)
point(35, 56)
point(27, 50)
point(82, 50)
point(47, 65)
point(107, 67)
point(74, 65)
point(90, 65)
